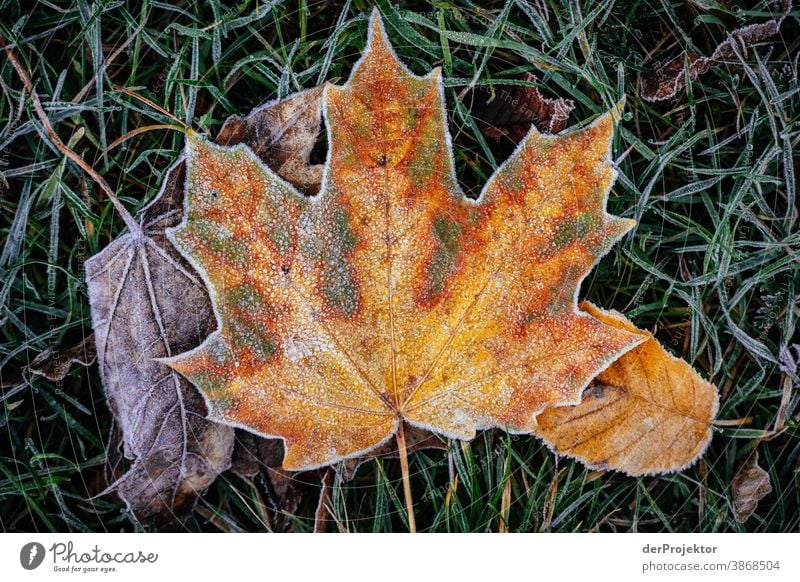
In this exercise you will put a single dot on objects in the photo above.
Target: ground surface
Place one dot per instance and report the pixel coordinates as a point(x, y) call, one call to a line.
point(712, 267)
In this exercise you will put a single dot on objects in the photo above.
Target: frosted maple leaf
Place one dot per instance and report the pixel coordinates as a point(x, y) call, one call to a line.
point(391, 296)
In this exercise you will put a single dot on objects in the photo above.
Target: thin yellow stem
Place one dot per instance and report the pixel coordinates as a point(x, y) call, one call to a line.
point(403, 452)
point(152, 104)
point(140, 130)
point(505, 500)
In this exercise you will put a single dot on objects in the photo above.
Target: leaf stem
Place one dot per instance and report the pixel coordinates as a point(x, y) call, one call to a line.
point(403, 452)
point(131, 93)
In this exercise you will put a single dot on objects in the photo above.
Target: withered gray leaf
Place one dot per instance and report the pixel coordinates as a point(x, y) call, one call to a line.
point(54, 363)
point(147, 303)
point(750, 485)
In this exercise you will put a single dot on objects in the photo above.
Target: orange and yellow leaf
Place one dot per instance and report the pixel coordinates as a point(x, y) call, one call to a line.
point(390, 296)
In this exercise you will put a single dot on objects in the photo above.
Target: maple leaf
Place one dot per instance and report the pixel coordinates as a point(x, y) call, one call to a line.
point(649, 412)
point(390, 296)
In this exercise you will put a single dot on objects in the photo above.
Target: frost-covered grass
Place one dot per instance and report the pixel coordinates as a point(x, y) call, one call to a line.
point(713, 266)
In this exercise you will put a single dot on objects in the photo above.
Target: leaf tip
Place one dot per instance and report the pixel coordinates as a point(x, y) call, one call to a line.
point(168, 361)
point(611, 118)
point(194, 141)
point(375, 17)
point(617, 226)
point(376, 37)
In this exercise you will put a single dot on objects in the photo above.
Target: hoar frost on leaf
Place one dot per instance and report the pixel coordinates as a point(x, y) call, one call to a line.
point(410, 301)
point(649, 412)
point(146, 303)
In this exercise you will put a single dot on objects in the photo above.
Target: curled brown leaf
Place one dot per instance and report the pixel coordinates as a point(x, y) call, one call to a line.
point(508, 111)
point(750, 485)
point(669, 77)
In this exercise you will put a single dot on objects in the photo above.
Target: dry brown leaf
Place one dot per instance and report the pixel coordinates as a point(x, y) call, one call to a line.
point(54, 364)
point(649, 412)
point(750, 485)
point(509, 110)
point(282, 134)
point(670, 77)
